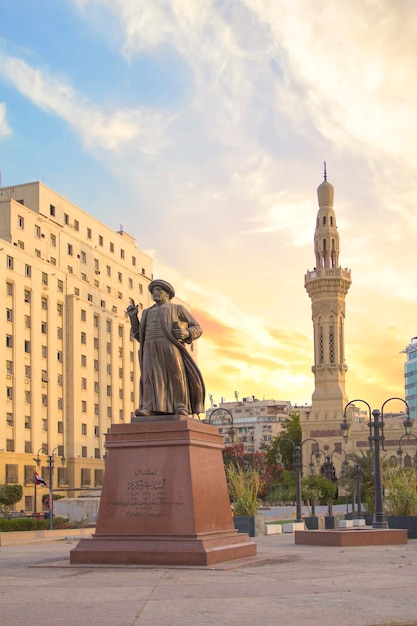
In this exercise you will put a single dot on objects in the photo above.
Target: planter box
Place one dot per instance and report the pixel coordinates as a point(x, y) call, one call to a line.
point(409, 522)
point(244, 524)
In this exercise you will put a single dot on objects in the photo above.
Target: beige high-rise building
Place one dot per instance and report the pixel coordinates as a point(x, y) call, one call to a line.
point(71, 367)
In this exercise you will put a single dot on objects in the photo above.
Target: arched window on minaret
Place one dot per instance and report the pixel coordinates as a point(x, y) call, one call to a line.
point(332, 356)
point(321, 344)
point(341, 342)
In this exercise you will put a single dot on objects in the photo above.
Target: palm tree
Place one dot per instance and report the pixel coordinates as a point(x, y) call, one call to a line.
point(366, 462)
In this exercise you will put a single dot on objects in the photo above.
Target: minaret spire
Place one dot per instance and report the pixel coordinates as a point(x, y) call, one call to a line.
point(327, 286)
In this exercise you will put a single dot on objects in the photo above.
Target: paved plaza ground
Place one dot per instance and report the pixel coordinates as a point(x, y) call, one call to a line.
point(288, 585)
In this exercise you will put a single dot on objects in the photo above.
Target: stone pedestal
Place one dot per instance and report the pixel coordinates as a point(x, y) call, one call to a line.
point(164, 499)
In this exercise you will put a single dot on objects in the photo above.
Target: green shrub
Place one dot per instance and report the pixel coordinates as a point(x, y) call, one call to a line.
point(30, 523)
point(243, 485)
point(401, 489)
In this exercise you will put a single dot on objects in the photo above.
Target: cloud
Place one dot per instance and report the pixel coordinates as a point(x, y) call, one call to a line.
point(96, 128)
point(4, 127)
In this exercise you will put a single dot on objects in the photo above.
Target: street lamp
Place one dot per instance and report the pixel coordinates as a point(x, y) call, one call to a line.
point(35, 482)
point(357, 476)
point(408, 425)
point(376, 443)
point(51, 469)
point(232, 430)
point(298, 467)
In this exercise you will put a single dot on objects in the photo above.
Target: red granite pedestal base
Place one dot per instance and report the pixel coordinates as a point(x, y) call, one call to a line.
point(164, 499)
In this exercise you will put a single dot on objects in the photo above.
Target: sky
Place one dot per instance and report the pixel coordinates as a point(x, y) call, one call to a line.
point(201, 128)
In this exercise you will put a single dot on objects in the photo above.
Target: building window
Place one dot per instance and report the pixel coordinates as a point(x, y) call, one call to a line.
point(44, 278)
point(27, 296)
point(60, 308)
point(84, 455)
point(9, 289)
point(83, 257)
point(96, 365)
point(53, 260)
point(85, 472)
point(44, 400)
point(69, 269)
point(95, 343)
point(52, 210)
point(27, 371)
point(62, 476)
point(83, 383)
point(9, 367)
point(59, 332)
point(60, 404)
point(44, 303)
point(45, 425)
point(100, 240)
point(59, 380)
point(83, 429)
point(88, 233)
point(37, 253)
point(9, 393)
point(66, 218)
point(44, 328)
point(53, 240)
point(9, 419)
point(60, 285)
point(96, 409)
point(37, 231)
point(10, 262)
point(20, 222)
point(28, 422)
point(84, 277)
point(59, 356)
point(130, 283)
point(27, 397)
point(12, 470)
point(27, 346)
point(83, 360)
point(44, 352)
point(60, 427)
point(69, 249)
point(76, 225)
point(133, 260)
point(122, 254)
point(119, 277)
point(28, 271)
point(9, 341)
point(9, 315)
point(83, 406)
point(89, 297)
point(111, 247)
point(108, 270)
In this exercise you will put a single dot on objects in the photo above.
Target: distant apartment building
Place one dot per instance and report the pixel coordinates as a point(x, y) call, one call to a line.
point(255, 421)
point(410, 377)
point(70, 365)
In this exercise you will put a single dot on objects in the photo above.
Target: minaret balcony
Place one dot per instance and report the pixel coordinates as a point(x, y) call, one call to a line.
point(334, 272)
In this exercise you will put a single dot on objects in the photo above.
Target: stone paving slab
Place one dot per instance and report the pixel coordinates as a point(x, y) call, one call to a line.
point(291, 585)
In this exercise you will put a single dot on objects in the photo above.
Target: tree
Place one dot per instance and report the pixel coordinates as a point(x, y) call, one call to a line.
point(317, 488)
point(281, 444)
point(10, 494)
point(366, 462)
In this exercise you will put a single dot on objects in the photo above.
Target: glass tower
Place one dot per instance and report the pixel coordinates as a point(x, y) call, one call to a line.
point(410, 377)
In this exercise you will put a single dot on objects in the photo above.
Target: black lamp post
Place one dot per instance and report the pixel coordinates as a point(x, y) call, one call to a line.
point(376, 443)
point(298, 467)
point(408, 425)
point(35, 482)
point(357, 476)
point(51, 470)
point(232, 430)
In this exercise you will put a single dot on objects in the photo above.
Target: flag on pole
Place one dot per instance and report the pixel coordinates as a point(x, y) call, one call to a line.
point(39, 480)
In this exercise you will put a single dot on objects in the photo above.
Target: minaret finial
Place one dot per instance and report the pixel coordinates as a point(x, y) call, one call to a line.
point(325, 171)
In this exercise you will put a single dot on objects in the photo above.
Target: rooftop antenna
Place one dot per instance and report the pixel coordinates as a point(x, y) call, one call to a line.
point(325, 171)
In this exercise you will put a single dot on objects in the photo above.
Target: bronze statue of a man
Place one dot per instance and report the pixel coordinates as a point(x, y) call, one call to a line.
point(170, 381)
